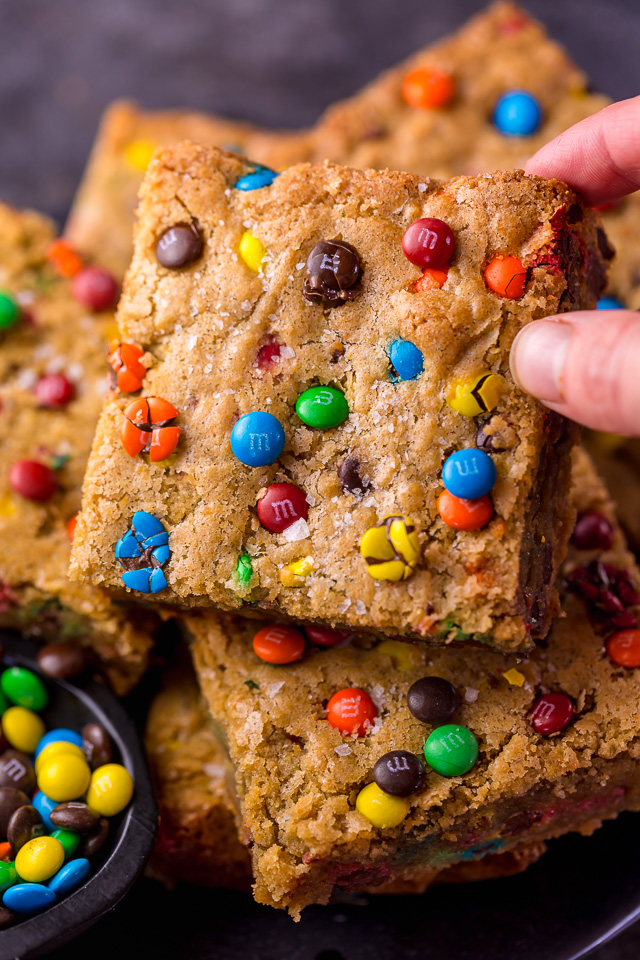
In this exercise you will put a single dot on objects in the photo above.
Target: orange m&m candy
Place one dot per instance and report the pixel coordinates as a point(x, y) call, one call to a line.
point(278, 644)
point(72, 523)
point(148, 427)
point(351, 711)
point(64, 258)
point(427, 87)
point(431, 279)
point(465, 514)
point(506, 276)
point(623, 648)
point(125, 361)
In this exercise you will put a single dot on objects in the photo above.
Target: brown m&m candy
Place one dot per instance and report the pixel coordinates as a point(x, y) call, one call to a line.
point(62, 660)
point(179, 246)
point(25, 824)
point(16, 770)
point(333, 273)
point(97, 745)
point(433, 700)
point(10, 800)
point(399, 773)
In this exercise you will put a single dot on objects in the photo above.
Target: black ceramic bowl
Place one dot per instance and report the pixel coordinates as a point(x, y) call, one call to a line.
point(132, 833)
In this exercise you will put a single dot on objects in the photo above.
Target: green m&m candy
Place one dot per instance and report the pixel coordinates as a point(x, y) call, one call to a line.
point(8, 875)
point(451, 750)
point(24, 688)
point(70, 841)
point(9, 310)
point(322, 407)
point(244, 569)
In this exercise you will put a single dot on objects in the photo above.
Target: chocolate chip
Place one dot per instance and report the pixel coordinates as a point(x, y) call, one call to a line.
point(333, 273)
point(25, 824)
point(433, 700)
point(76, 816)
point(179, 246)
point(97, 745)
point(17, 771)
point(399, 773)
point(63, 660)
point(94, 842)
point(10, 800)
point(349, 476)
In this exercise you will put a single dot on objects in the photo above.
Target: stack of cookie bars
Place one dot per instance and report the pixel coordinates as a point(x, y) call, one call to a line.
point(335, 446)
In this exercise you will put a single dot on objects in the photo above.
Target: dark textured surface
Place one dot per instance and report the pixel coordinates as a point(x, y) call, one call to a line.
point(280, 62)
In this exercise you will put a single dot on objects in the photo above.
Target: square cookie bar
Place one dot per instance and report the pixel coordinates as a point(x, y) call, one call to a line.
point(53, 375)
point(370, 762)
point(311, 392)
point(198, 840)
point(100, 223)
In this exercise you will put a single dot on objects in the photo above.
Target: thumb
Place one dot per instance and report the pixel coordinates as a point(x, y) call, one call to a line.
point(584, 365)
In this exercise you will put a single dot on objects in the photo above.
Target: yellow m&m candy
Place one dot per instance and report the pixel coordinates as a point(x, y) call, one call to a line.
point(252, 251)
point(293, 574)
point(110, 789)
point(380, 808)
point(23, 728)
point(64, 777)
point(478, 395)
point(38, 859)
point(391, 549)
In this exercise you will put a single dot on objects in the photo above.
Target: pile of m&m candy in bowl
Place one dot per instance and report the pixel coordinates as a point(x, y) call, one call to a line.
point(60, 787)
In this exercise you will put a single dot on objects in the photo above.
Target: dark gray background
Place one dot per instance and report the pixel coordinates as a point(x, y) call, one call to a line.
point(275, 62)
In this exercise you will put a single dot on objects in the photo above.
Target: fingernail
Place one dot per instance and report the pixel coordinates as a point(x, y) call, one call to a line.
point(538, 359)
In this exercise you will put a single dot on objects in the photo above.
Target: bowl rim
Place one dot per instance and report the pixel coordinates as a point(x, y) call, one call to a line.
point(66, 919)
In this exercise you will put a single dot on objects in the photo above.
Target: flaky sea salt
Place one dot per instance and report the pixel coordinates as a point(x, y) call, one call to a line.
point(343, 750)
point(286, 353)
point(272, 689)
point(297, 531)
point(360, 608)
point(470, 694)
point(344, 606)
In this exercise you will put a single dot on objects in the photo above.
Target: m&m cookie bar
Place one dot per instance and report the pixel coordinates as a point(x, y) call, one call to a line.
point(56, 314)
point(101, 219)
point(198, 836)
point(369, 762)
point(322, 430)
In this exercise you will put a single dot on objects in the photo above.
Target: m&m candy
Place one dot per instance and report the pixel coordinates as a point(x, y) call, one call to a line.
point(399, 773)
point(609, 303)
point(428, 242)
point(54, 391)
point(95, 288)
point(28, 898)
point(23, 687)
point(252, 251)
point(179, 246)
point(381, 809)
point(69, 876)
point(462, 514)
point(506, 276)
point(433, 700)
point(469, 473)
point(281, 506)
point(33, 480)
point(428, 88)
point(279, 644)
point(110, 789)
point(257, 439)
point(39, 859)
point(407, 359)
point(391, 549)
point(260, 177)
point(23, 728)
point(322, 407)
point(351, 711)
point(9, 310)
point(477, 395)
point(551, 713)
point(517, 114)
point(623, 648)
point(451, 750)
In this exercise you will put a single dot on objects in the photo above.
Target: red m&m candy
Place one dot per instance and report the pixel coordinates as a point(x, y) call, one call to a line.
point(323, 636)
point(54, 391)
point(95, 288)
point(282, 505)
point(33, 480)
point(278, 644)
point(428, 242)
point(551, 713)
point(351, 711)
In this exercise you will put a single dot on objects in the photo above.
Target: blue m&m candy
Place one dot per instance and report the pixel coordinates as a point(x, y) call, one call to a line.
point(469, 473)
point(69, 876)
point(257, 439)
point(44, 805)
point(59, 735)
point(260, 177)
point(28, 898)
point(406, 358)
point(609, 303)
point(517, 114)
